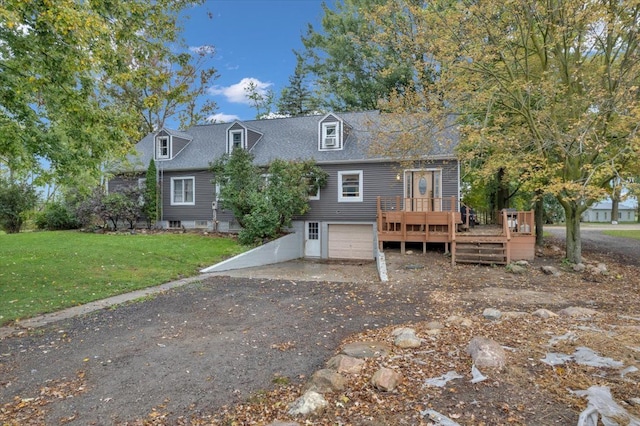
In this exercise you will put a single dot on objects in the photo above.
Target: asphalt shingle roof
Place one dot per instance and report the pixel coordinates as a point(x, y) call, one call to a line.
point(294, 138)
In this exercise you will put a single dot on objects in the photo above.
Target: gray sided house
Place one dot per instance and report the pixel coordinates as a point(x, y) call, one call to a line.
point(601, 212)
point(341, 222)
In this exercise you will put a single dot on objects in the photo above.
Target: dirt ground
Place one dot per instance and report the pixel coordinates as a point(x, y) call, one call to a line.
point(237, 350)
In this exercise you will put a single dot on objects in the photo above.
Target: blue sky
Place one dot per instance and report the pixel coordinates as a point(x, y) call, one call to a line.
point(253, 40)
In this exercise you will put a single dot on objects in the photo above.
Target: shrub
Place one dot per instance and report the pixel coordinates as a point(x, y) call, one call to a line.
point(16, 200)
point(56, 216)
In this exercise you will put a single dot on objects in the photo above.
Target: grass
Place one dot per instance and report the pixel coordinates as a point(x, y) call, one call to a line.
point(44, 272)
point(624, 234)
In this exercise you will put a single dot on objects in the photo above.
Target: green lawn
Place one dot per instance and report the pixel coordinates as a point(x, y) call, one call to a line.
point(46, 271)
point(625, 234)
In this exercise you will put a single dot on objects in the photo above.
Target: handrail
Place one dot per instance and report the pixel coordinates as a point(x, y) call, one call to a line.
point(437, 204)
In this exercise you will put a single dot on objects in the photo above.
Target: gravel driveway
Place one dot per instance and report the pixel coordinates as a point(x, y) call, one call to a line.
point(193, 348)
point(593, 239)
point(196, 348)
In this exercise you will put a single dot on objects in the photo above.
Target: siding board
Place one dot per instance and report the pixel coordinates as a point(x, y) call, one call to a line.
point(379, 179)
point(203, 197)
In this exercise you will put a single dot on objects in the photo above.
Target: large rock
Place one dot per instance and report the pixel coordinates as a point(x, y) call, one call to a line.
point(406, 338)
point(576, 311)
point(386, 379)
point(367, 349)
point(492, 314)
point(310, 402)
point(544, 313)
point(486, 353)
point(346, 364)
point(326, 380)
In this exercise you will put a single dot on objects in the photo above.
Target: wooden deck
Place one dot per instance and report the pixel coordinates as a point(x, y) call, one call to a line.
point(438, 221)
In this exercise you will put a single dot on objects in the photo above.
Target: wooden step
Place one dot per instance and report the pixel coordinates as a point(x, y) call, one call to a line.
point(481, 251)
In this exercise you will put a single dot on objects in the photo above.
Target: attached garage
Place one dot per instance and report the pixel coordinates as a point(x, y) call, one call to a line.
point(350, 241)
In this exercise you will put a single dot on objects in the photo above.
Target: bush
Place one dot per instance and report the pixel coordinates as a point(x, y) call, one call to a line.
point(16, 200)
point(56, 216)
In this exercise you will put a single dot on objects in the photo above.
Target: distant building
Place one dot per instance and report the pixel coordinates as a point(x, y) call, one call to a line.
point(601, 212)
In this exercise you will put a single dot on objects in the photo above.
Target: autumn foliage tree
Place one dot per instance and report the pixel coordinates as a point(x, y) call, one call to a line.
point(544, 92)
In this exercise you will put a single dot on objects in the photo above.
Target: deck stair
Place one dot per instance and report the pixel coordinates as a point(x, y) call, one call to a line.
point(485, 249)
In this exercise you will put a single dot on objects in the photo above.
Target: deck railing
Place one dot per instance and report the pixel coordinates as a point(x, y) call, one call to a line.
point(517, 222)
point(447, 204)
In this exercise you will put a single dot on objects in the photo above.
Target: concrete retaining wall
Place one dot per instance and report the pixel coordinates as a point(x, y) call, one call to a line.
point(285, 248)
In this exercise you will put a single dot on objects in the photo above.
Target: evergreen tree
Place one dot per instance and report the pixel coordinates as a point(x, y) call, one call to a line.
point(297, 99)
point(150, 207)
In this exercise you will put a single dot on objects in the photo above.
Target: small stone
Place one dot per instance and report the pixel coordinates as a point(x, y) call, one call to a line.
point(550, 270)
point(386, 379)
point(346, 364)
point(310, 402)
point(326, 380)
point(492, 314)
point(576, 311)
point(544, 313)
point(516, 269)
point(486, 353)
point(458, 320)
point(524, 263)
point(409, 252)
point(634, 401)
point(578, 267)
point(433, 332)
point(556, 249)
point(366, 349)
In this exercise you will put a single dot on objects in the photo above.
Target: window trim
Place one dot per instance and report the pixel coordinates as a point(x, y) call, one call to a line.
point(345, 199)
point(323, 136)
point(243, 139)
point(193, 186)
point(158, 141)
point(316, 196)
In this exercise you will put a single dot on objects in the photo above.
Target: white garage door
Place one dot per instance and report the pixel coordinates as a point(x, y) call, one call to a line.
point(350, 241)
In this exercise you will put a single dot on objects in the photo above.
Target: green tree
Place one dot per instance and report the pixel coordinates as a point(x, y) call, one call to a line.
point(264, 201)
point(150, 206)
point(297, 99)
point(66, 68)
point(353, 68)
point(16, 201)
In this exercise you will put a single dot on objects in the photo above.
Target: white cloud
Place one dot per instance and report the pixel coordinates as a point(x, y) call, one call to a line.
point(222, 118)
point(236, 93)
point(203, 50)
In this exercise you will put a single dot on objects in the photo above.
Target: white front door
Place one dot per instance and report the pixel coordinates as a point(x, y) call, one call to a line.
point(312, 239)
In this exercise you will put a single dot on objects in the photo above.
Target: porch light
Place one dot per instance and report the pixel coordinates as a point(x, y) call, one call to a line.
point(398, 176)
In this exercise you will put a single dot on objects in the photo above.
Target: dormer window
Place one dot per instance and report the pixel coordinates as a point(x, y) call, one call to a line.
point(236, 140)
point(162, 147)
point(330, 135)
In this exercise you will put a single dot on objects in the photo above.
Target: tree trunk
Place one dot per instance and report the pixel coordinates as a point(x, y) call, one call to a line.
point(614, 210)
point(573, 241)
point(539, 218)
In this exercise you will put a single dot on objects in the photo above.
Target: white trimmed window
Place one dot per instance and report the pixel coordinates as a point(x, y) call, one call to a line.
point(350, 186)
point(162, 147)
point(183, 191)
point(330, 136)
point(314, 192)
point(236, 140)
